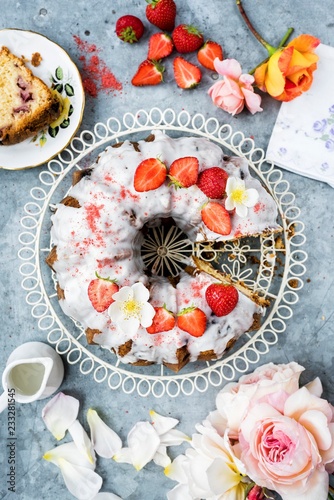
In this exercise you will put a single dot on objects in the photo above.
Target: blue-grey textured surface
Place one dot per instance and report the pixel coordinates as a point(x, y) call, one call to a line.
point(309, 336)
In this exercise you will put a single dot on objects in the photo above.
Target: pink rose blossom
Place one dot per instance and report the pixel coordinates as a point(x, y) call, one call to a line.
point(235, 90)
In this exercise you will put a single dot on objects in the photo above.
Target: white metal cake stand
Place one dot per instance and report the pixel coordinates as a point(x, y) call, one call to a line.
point(273, 266)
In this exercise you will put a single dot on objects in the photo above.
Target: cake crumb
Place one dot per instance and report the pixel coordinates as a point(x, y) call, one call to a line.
point(293, 283)
point(36, 59)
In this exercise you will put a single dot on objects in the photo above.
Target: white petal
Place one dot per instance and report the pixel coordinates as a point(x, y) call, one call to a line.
point(315, 387)
point(174, 438)
point(83, 483)
point(221, 477)
point(162, 424)
point(81, 439)
point(229, 203)
point(105, 441)
point(71, 453)
point(124, 456)
point(147, 314)
point(251, 197)
point(180, 492)
point(115, 312)
point(241, 209)
point(140, 292)
point(234, 183)
point(123, 294)
point(176, 470)
point(143, 442)
point(106, 496)
point(60, 413)
point(316, 423)
point(161, 458)
point(129, 326)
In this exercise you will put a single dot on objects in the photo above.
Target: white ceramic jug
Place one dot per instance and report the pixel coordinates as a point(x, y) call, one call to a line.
point(34, 371)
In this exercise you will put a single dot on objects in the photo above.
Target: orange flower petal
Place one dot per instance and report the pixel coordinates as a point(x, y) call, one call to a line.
point(304, 43)
point(260, 76)
point(300, 61)
point(275, 81)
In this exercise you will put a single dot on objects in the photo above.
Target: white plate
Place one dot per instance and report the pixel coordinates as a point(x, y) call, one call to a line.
point(41, 148)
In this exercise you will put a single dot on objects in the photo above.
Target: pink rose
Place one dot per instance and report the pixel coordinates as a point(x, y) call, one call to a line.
point(234, 401)
point(235, 90)
point(287, 450)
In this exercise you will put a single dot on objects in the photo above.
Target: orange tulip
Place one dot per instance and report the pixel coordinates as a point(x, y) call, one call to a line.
point(289, 71)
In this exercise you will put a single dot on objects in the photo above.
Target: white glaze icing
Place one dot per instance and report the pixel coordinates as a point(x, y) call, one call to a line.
point(102, 236)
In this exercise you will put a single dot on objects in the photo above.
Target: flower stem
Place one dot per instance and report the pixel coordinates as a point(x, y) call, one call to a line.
point(271, 50)
point(281, 44)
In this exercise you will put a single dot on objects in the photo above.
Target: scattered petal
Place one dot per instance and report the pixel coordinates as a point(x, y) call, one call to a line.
point(81, 439)
point(106, 496)
point(60, 413)
point(161, 458)
point(82, 482)
point(176, 470)
point(162, 424)
point(105, 441)
point(143, 443)
point(71, 453)
point(173, 438)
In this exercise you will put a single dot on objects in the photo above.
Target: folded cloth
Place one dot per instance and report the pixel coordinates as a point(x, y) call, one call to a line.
point(302, 140)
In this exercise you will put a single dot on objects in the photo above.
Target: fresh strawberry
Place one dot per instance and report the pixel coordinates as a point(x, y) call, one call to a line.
point(163, 320)
point(208, 53)
point(187, 38)
point(148, 73)
point(150, 174)
point(161, 13)
point(216, 218)
point(100, 292)
point(183, 172)
point(129, 29)
point(212, 182)
point(192, 320)
point(222, 299)
point(160, 45)
point(186, 74)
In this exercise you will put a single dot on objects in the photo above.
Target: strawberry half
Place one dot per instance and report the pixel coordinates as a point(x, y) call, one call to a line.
point(216, 218)
point(192, 320)
point(150, 174)
point(100, 292)
point(148, 73)
point(183, 172)
point(222, 299)
point(208, 53)
point(212, 182)
point(187, 38)
point(163, 320)
point(187, 75)
point(160, 45)
point(161, 13)
point(129, 28)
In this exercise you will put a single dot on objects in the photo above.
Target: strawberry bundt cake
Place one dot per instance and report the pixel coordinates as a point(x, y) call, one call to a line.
point(97, 233)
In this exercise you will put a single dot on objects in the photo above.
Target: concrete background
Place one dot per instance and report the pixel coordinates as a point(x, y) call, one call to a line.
point(309, 336)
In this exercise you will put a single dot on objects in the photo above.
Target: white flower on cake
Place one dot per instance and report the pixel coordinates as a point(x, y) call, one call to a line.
point(238, 197)
point(131, 308)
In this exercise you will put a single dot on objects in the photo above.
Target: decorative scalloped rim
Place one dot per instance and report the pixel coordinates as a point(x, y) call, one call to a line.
point(213, 373)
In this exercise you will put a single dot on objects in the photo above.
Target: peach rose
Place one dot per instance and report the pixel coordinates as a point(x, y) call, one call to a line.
point(235, 90)
point(287, 450)
point(289, 71)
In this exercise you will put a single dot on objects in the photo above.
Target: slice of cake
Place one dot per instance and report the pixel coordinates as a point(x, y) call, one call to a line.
point(26, 102)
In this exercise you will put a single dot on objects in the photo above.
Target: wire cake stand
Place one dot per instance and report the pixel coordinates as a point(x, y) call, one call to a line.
point(272, 265)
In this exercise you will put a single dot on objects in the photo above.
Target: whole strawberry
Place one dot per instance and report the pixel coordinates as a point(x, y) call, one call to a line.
point(222, 299)
point(187, 38)
point(129, 28)
point(161, 13)
point(212, 182)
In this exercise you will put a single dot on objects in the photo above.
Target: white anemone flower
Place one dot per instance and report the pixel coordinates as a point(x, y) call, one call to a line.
point(60, 413)
point(105, 441)
point(238, 197)
point(131, 309)
point(77, 471)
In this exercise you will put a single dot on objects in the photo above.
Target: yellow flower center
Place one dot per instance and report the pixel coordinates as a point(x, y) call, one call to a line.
point(131, 308)
point(238, 195)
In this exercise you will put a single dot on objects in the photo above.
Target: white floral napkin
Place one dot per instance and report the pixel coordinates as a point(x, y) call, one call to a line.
point(303, 136)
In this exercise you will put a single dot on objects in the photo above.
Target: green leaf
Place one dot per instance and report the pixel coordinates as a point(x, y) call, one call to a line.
point(42, 140)
point(59, 87)
point(53, 131)
point(59, 73)
point(65, 123)
point(69, 89)
point(70, 111)
point(324, 137)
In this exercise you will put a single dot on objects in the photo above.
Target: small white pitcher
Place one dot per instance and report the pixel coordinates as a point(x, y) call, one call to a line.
point(34, 371)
